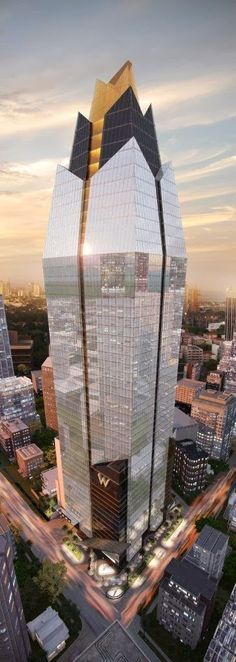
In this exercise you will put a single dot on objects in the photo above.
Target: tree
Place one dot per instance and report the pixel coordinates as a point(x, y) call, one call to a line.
point(36, 479)
point(16, 531)
point(211, 521)
point(51, 578)
point(218, 466)
point(50, 456)
point(22, 369)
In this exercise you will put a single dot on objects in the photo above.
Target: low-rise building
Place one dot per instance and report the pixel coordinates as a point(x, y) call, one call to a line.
point(215, 414)
point(13, 435)
point(36, 377)
point(185, 601)
point(186, 390)
point(49, 397)
point(222, 647)
point(209, 551)
point(184, 427)
point(49, 478)
point(190, 466)
point(28, 459)
point(50, 632)
point(192, 353)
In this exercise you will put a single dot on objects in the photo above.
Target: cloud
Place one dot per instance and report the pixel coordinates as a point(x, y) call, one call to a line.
point(179, 92)
point(210, 217)
point(217, 166)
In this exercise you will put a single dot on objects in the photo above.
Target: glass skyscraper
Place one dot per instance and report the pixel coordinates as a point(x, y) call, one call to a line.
point(114, 270)
point(6, 365)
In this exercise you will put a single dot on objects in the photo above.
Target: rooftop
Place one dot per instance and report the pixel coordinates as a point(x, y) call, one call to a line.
point(47, 363)
point(215, 399)
point(191, 578)
point(50, 630)
point(191, 383)
point(189, 448)
point(114, 644)
point(183, 420)
point(28, 452)
point(10, 427)
point(211, 539)
point(14, 383)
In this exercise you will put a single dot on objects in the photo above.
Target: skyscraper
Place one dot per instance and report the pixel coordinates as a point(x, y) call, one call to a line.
point(14, 640)
point(114, 270)
point(230, 315)
point(6, 365)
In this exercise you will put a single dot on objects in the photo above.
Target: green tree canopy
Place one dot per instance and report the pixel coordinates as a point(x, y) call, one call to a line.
point(51, 578)
point(50, 456)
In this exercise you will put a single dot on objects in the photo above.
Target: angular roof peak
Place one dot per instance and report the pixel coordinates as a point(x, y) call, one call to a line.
point(106, 94)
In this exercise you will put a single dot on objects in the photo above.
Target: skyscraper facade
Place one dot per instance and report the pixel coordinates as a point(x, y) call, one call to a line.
point(114, 270)
point(6, 365)
point(230, 315)
point(14, 640)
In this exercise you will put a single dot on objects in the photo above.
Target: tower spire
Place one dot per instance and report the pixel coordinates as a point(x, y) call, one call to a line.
point(106, 94)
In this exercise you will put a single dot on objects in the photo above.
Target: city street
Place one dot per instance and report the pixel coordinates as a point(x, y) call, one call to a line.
point(96, 610)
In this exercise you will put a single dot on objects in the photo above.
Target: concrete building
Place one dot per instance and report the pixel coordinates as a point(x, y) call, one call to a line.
point(192, 370)
point(50, 632)
point(114, 644)
point(6, 364)
point(215, 380)
point(36, 378)
point(230, 315)
point(50, 478)
point(215, 413)
point(192, 353)
point(185, 601)
point(190, 466)
point(13, 435)
point(186, 390)
point(184, 427)
point(222, 647)
point(114, 235)
point(209, 551)
point(17, 401)
point(28, 459)
point(49, 396)
point(14, 641)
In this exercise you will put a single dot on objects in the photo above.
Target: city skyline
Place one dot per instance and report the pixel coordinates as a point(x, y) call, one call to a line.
point(190, 84)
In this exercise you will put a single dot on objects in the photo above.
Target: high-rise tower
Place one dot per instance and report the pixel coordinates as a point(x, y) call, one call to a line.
point(6, 365)
point(114, 269)
point(230, 315)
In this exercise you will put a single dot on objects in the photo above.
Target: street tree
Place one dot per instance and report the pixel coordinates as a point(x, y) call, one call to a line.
point(51, 578)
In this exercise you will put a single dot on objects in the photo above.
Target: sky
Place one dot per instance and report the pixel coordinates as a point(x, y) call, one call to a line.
point(184, 57)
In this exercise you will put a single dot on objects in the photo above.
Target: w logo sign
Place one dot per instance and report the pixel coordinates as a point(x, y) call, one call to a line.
point(103, 480)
